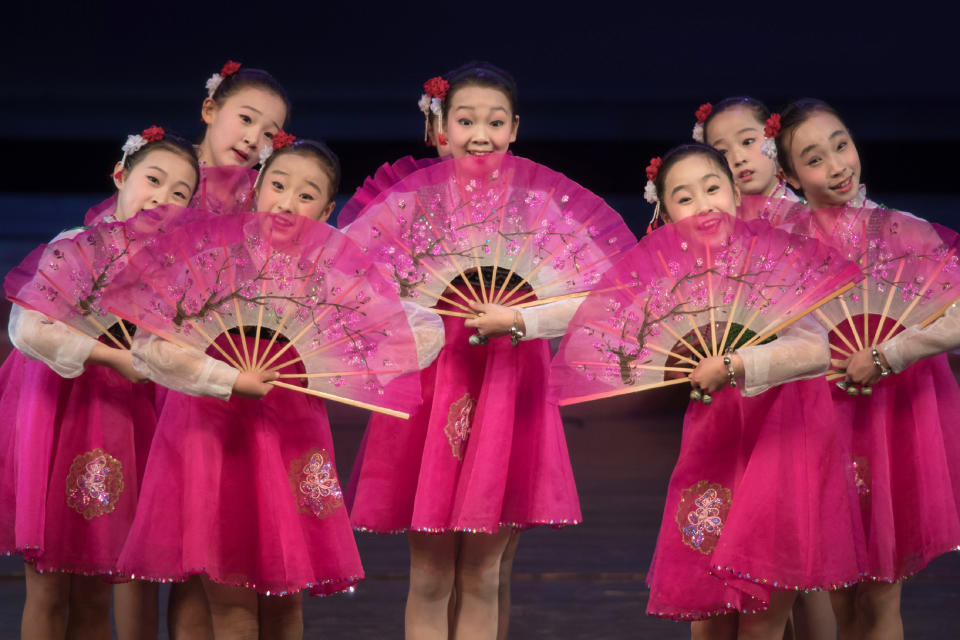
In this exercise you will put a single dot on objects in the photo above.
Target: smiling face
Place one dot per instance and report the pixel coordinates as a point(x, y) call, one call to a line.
point(296, 183)
point(479, 121)
point(737, 133)
point(161, 177)
point(824, 161)
point(695, 185)
point(239, 126)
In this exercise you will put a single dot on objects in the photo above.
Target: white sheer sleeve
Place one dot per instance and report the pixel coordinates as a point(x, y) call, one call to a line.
point(185, 370)
point(801, 351)
point(914, 343)
point(428, 332)
point(53, 343)
point(549, 320)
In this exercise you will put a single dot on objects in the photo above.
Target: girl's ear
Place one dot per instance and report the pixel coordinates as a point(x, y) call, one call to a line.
point(208, 110)
point(516, 126)
point(118, 175)
point(327, 211)
point(792, 181)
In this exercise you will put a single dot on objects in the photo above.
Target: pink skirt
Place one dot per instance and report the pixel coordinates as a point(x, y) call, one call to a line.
point(69, 485)
point(760, 500)
point(905, 459)
point(484, 450)
point(246, 492)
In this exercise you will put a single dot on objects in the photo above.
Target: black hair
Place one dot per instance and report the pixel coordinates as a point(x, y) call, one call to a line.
point(170, 142)
point(679, 153)
point(257, 78)
point(792, 116)
point(480, 74)
point(318, 150)
point(760, 110)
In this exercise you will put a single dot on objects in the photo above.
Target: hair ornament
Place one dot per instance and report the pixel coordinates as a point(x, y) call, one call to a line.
point(703, 112)
point(137, 141)
point(431, 102)
point(213, 83)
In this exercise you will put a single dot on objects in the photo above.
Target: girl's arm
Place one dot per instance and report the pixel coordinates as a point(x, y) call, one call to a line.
point(914, 343)
point(545, 321)
point(53, 343)
point(800, 352)
point(194, 373)
point(428, 332)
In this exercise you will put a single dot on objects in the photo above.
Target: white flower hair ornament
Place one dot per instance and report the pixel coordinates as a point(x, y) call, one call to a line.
point(703, 112)
point(280, 140)
point(214, 81)
point(431, 102)
point(771, 129)
point(137, 141)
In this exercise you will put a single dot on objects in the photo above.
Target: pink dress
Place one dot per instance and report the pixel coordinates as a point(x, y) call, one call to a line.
point(76, 451)
point(759, 499)
point(244, 491)
point(904, 439)
point(485, 449)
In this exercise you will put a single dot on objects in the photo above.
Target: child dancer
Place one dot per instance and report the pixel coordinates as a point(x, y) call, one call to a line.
point(744, 131)
point(904, 444)
point(68, 421)
point(755, 454)
point(479, 403)
point(217, 498)
point(243, 110)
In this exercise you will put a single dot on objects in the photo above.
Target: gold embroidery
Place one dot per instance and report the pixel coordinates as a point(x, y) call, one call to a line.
point(458, 425)
point(315, 486)
point(701, 514)
point(94, 483)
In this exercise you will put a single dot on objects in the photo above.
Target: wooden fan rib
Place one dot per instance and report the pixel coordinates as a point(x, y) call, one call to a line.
point(886, 306)
point(834, 330)
point(526, 243)
point(913, 303)
point(341, 399)
point(524, 296)
point(736, 300)
point(334, 374)
point(645, 367)
point(620, 392)
point(443, 245)
point(786, 323)
point(693, 323)
point(319, 349)
point(89, 317)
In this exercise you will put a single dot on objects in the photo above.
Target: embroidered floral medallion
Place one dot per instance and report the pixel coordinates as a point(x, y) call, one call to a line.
point(315, 485)
point(94, 483)
point(458, 425)
point(701, 514)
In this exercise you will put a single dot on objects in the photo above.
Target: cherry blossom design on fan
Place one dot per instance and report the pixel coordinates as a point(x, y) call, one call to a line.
point(689, 290)
point(510, 231)
point(282, 277)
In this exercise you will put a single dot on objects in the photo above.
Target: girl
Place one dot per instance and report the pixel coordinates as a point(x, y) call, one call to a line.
point(904, 444)
point(756, 454)
point(217, 498)
point(478, 404)
point(743, 130)
point(243, 110)
point(67, 419)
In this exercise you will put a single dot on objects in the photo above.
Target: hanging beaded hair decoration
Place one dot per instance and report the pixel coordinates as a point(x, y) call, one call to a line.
point(431, 102)
point(703, 112)
point(137, 141)
point(213, 83)
point(650, 191)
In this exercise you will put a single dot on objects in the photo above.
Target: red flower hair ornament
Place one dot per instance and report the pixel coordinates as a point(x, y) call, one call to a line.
point(137, 141)
point(771, 129)
point(650, 191)
point(703, 112)
point(213, 83)
point(435, 91)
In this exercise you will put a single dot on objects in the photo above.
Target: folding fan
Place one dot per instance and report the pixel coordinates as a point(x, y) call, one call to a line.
point(911, 275)
point(687, 291)
point(301, 289)
point(66, 279)
point(495, 228)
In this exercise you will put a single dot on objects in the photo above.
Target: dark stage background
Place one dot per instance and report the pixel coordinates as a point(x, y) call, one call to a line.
point(603, 87)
